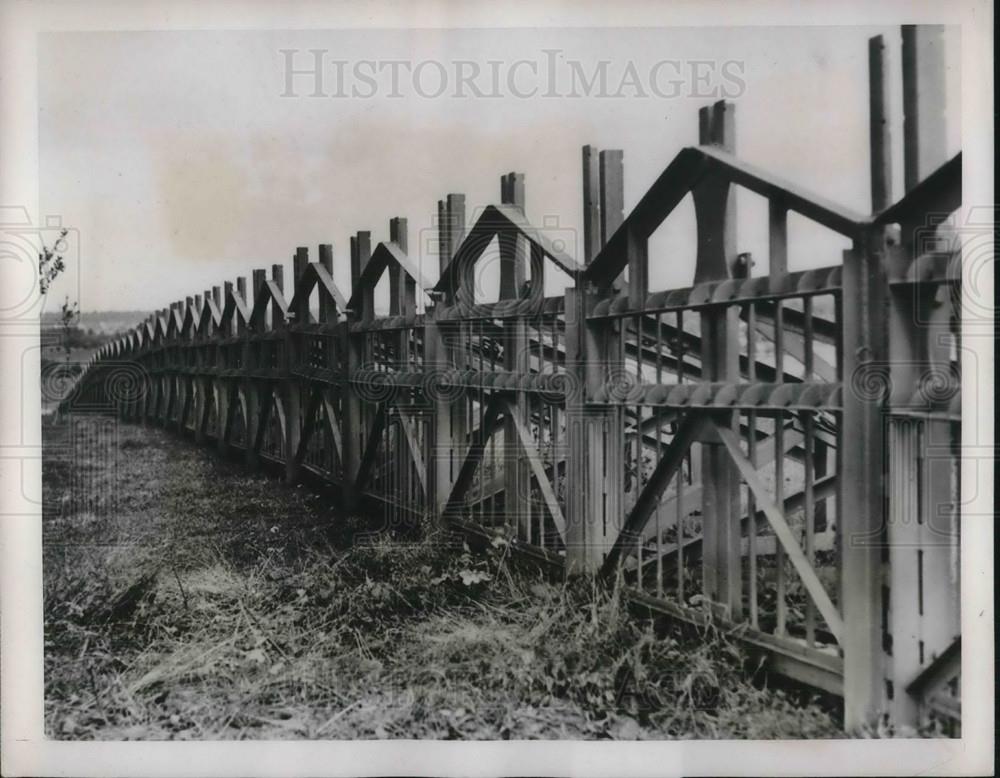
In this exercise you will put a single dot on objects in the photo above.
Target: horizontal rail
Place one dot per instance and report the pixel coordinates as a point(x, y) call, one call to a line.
point(786, 396)
point(747, 290)
point(554, 384)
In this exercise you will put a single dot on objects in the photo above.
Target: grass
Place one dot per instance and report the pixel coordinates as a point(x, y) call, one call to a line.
point(185, 599)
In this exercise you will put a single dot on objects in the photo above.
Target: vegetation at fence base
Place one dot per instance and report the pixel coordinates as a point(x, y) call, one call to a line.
point(185, 599)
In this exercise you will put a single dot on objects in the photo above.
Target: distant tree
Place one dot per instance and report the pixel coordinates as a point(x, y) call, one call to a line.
point(70, 314)
point(50, 264)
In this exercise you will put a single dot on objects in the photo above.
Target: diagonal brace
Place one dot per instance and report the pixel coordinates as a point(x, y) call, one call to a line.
point(371, 448)
point(690, 431)
point(474, 456)
point(776, 518)
point(415, 452)
point(309, 428)
point(331, 417)
point(538, 469)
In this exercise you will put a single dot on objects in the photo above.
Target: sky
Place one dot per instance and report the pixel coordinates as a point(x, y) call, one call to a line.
point(185, 159)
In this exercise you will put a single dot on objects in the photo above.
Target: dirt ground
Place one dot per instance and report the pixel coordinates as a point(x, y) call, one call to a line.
point(187, 599)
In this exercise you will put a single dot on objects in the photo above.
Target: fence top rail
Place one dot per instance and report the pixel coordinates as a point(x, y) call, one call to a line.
point(315, 274)
point(493, 220)
point(940, 193)
point(685, 171)
point(384, 256)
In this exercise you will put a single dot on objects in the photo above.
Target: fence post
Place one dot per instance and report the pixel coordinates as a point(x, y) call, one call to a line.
point(364, 243)
point(226, 382)
point(293, 388)
point(157, 360)
point(454, 233)
point(402, 302)
point(872, 365)
point(273, 390)
point(402, 289)
point(586, 510)
point(715, 213)
point(242, 330)
point(583, 513)
point(878, 125)
point(170, 375)
point(923, 100)
point(923, 608)
point(860, 498)
point(329, 316)
point(149, 382)
point(327, 305)
point(395, 274)
point(180, 363)
point(354, 347)
point(216, 362)
point(591, 204)
point(168, 391)
point(451, 435)
point(594, 436)
point(440, 462)
point(201, 399)
point(152, 393)
point(612, 208)
point(513, 280)
point(456, 221)
point(251, 386)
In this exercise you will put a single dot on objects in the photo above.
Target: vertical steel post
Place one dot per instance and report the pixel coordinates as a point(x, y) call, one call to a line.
point(253, 389)
point(354, 428)
point(861, 497)
point(294, 357)
point(513, 277)
point(922, 529)
point(715, 213)
point(594, 467)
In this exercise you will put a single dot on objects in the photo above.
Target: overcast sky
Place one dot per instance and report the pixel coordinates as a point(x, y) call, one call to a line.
point(182, 165)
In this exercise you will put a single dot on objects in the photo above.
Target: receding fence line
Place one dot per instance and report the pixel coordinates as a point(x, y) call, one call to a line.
point(775, 453)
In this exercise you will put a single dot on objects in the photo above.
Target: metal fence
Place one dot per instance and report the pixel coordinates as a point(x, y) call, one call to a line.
point(775, 453)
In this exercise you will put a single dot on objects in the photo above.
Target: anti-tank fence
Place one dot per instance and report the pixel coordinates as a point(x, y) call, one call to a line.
point(775, 453)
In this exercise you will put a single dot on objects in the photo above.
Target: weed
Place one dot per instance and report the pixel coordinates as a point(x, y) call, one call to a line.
point(216, 605)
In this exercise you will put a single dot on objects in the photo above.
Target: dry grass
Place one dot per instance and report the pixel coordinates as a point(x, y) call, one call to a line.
point(193, 601)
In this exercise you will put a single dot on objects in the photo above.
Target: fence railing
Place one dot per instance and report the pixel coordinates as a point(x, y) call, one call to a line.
point(775, 453)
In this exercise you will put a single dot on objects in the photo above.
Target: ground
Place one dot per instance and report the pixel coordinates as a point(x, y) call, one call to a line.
point(188, 599)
